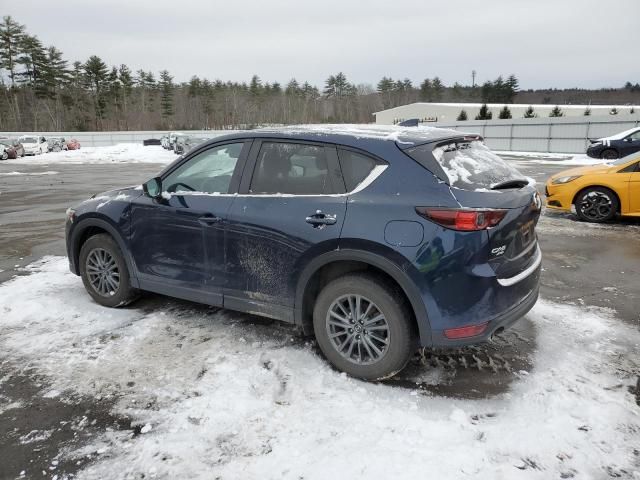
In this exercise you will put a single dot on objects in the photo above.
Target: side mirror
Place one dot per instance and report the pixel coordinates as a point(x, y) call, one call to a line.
point(153, 187)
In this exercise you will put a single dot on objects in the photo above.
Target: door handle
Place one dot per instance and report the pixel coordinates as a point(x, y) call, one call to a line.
point(319, 219)
point(209, 219)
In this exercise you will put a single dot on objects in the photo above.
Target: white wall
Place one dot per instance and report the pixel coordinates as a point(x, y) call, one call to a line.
point(448, 112)
point(558, 135)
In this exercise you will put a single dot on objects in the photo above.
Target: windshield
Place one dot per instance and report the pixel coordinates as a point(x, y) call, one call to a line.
point(628, 158)
point(464, 164)
point(29, 140)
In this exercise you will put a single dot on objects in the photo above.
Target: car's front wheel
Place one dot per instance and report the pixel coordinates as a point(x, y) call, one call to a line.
point(104, 272)
point(609, 154)
point(363, 326)
point(596, 204)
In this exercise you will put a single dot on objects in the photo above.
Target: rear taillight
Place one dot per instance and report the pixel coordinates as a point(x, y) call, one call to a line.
point(465, 332)
point(463, 219)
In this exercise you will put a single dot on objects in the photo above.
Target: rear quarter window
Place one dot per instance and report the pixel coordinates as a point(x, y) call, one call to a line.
point(468, 165)
point(355, 168)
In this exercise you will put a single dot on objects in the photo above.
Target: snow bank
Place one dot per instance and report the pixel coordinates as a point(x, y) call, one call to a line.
point(121, 153)
point(28, 174)
point(219, 396)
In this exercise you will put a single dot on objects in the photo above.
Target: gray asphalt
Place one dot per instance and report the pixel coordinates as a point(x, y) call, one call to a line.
point(597, 265)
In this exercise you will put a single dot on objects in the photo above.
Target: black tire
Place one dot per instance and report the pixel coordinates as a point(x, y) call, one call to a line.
point(116, 297)
point(387, 301)
point(596, 204)
point(609, 154)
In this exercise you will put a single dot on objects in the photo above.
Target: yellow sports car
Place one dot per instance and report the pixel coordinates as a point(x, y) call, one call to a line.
point(598, 192)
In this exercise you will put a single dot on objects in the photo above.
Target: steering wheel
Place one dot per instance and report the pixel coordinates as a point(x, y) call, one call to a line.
point(173, 187)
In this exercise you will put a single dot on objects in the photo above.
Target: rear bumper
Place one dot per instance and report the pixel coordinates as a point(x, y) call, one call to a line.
point(501, 322)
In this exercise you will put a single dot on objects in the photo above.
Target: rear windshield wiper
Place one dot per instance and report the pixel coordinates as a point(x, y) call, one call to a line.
point(513, 183)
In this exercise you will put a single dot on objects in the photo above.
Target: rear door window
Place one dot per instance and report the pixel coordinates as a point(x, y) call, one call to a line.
point(464, 164)
point(355, 167)
point(291, 168)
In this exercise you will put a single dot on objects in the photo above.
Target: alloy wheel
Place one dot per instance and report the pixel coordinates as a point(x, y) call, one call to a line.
point(357, 329)
point(596, 205)
point(102, 271)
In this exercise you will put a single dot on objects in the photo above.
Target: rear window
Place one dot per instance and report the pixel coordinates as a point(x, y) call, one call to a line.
point(468, 165)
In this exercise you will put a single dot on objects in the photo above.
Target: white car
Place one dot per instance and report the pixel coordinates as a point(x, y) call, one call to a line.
point(34, 144)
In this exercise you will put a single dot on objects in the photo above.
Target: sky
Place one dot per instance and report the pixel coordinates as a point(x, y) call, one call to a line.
point(546, 43)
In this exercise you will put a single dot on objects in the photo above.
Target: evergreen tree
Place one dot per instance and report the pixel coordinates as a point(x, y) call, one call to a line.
point(33, 58)
point(385, 85)
point(426, 90)
point(255, 87)
point(438, 89)
point(512, 88)
point(462, 116)
point(166, 96)
point(95, 75)
point(529, 113)
point(11, 34)
point(505, 113)
point(293, 88)
point(556, 112)
point(484, 113)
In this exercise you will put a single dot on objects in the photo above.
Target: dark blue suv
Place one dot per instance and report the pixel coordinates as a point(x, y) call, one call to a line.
point(376, 239)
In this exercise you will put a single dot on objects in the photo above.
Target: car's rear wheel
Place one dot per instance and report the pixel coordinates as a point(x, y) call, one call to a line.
point(104, 272)
point(596, 204)
point(363, 326)
point(609, 154)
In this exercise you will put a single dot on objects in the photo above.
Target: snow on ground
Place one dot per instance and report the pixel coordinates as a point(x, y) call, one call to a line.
point(216, 395)
point(19, 174)
point(121, 153)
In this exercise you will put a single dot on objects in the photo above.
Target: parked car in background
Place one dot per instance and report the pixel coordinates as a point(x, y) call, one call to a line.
point(10, 149)
point(598, 192)
point(73, 144)
point(615, 146)
point(178, 143)
point(164, 141)
point(57, 144)
point(172, 140)
point(193, 141)
point(378, 240)
point(34, 144)
point(19, 148)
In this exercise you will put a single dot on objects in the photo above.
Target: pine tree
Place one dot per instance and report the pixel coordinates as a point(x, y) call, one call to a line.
point(426, 90)
point(484, 113)
point(512, 88)
point(529, 113)
point(293, 88)
point(95, 74)
point(385, 85)
point(32, 57)
point(556, 112)
point(255, 87)
point(505, 113)
point(11, 35)
point(438, 89)
point(166, 96)
point(126, 80)
point(587, 112)
point(462, 116)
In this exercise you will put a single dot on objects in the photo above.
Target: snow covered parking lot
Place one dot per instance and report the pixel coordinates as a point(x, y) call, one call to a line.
point(169, 389)
point(216, 395)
